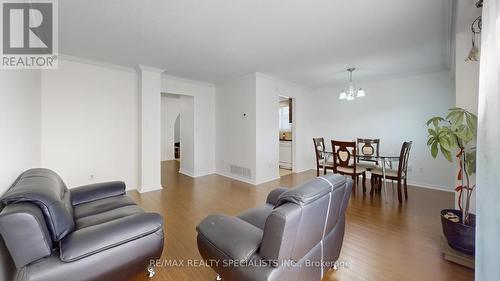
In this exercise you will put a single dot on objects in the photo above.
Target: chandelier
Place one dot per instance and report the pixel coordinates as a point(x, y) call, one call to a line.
point(351, 92)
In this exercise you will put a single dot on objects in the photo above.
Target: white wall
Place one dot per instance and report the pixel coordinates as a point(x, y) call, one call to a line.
point(177, 129)
point(466, 74)
point(170, 109)
point(236, 133)
point(394, 110)
point(203, 124)
point(252, 141)
point(268, 90)
point(267, 129)
point(466, 88)
point(19, 124)
point(188, 136)
point(150, 120)
point(90, 123)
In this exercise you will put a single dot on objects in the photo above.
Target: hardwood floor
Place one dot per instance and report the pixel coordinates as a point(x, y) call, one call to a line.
point(383, 241)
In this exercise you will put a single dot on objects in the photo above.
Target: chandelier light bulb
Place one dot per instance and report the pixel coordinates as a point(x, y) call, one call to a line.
point(351, 88)
point(351, 92)
point(361, 93)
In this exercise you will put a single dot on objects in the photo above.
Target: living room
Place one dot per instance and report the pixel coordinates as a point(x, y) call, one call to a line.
point(88, 133)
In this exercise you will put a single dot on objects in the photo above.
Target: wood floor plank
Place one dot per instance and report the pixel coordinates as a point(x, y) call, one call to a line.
point(383, 241)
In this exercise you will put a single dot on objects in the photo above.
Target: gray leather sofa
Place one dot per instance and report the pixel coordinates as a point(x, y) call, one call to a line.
point(296, 235)
point(93, 232)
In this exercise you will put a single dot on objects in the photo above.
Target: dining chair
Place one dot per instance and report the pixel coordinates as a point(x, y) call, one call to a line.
point(400, 174)
point(319, 148)
point(368, 148)
point(344, 161)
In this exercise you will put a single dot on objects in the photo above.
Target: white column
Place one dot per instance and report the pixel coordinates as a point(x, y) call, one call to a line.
point(466, 89)
point(150, 142)
point(488, 134)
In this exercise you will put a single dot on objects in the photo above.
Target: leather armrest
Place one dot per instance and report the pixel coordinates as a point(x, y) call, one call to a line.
point(97, 238)
point(234, 237)
point(91, 192)
point(272, 198)
point(24, 231)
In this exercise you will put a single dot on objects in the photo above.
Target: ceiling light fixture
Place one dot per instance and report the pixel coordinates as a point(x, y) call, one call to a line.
point(351, 92)
point(476, 30)
point(475, 27)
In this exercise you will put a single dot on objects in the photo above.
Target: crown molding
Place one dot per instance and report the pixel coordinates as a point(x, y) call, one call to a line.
point(187, 80)
point(95, 63)
point(150, 69)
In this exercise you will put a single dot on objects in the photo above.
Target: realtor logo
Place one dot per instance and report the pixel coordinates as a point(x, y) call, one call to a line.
point(29, 34)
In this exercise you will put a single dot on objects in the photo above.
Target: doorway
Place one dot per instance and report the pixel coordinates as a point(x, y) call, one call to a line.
point(177, 132)
point(177, 138)
point(286, 135)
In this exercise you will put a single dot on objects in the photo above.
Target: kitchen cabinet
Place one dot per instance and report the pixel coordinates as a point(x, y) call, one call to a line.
point(286, 154)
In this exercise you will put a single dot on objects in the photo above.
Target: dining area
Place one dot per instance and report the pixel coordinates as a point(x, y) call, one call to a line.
point(361, 159)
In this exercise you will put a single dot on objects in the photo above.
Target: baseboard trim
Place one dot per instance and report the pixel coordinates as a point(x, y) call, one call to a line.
point(301, 170)
point(249, 181)
point(149, 190)
point(193, 175)
point(204, 174)
point(429, 186)
point(267, 180)
point(227, 175)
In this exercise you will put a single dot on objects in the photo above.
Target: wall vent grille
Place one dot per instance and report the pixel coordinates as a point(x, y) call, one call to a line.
point(241, 171)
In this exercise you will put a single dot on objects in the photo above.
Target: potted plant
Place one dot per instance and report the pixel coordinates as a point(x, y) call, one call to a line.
point(455, 135)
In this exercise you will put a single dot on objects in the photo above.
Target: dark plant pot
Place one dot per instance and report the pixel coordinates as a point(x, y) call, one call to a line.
point(460, 237)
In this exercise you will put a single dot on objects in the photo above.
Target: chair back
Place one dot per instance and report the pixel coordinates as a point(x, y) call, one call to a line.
point(344, 154)
point(319, 148)
point(368, 147)
point(306, 216)
point(403, 159)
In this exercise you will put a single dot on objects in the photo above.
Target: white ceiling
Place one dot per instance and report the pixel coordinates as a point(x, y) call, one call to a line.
point(310, 42)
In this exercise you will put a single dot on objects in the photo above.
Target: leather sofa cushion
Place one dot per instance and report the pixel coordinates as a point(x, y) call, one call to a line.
point(312, 190)
point(235, 238)
point(97, 238)
point(110, 215)
point(272, 197)
point(101, 206)
point(25, 233)
point(257, 216)
point(45, 189)
point(96, 191)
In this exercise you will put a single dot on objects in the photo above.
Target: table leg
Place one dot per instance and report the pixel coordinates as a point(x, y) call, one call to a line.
point(385, 182)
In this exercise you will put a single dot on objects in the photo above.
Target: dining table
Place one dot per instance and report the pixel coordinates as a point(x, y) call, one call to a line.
point(383, 159)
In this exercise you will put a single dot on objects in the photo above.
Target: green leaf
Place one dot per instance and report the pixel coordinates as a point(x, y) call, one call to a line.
point(452, 139)
point(470, 161)
point(434, 150)
point(445, 143)
point(471, 123)
point(446, 153)
point(461, 133)
point(435, 121)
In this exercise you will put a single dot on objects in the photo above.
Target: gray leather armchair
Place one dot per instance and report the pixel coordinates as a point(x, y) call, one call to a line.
point(93, 232)
point(296, 235)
